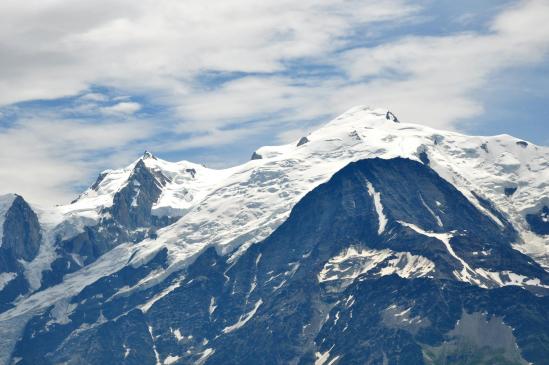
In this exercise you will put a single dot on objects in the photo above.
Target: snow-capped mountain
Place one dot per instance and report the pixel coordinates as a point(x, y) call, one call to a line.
point(164, 262)
point(182, 184)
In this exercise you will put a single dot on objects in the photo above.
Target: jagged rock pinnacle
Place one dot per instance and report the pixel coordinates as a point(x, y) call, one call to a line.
point(147, 155)
point(391, 116)
point(302, 141)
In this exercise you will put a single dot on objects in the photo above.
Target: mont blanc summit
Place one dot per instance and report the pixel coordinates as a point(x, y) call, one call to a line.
point(368, 240)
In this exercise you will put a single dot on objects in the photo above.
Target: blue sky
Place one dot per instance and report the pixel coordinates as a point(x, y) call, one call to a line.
point(86, 86)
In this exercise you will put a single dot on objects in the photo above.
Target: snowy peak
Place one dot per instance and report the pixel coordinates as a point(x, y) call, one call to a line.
point(184, 184)
point(246, 203)
point(233, 208)
point(364, 196)
point(343, 241)
point(369, 117)
point(502, 165)
point(147, 155)
point(179, 183)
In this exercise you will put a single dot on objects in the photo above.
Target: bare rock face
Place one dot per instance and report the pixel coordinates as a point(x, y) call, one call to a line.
point(274, 303)
point(386, 261)
point(129, 219)
point(392, 117)
point(132, 204)
point(522, 144)
point(302, 141)
point(21, 239)
point(539, 222)
point(256, 156)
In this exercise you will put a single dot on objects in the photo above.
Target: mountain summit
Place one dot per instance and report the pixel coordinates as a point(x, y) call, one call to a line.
point(369, 240)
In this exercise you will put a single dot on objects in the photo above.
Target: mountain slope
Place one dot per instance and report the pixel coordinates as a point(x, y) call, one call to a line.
point(20, 241)
point(257, 196)
point(275, 305)
point(455, 211)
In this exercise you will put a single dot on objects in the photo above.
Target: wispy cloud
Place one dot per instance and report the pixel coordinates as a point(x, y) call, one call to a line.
point(54, 49)
point(209, 74)
point(45, 155)
point(125, 107)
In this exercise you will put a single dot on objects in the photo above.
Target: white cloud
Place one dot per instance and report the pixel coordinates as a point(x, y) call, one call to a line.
point(291, 135)
point(41, 159)
point(125, 107)
point(214, 137)
point(57, 48)
point(94, 97)
point(435, 79)
point(162, 49)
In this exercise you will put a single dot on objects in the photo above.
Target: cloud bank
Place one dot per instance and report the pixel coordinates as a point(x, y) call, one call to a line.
point(87, 86)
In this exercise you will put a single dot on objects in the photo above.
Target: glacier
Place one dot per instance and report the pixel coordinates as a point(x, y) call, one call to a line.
point(232, 209)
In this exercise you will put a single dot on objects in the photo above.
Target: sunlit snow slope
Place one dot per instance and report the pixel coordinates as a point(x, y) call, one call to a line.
point(233, 208)
point(184, 184)
point(256, 197)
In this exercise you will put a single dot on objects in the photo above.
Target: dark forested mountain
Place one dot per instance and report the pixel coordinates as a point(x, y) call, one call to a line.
point(368, 241)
